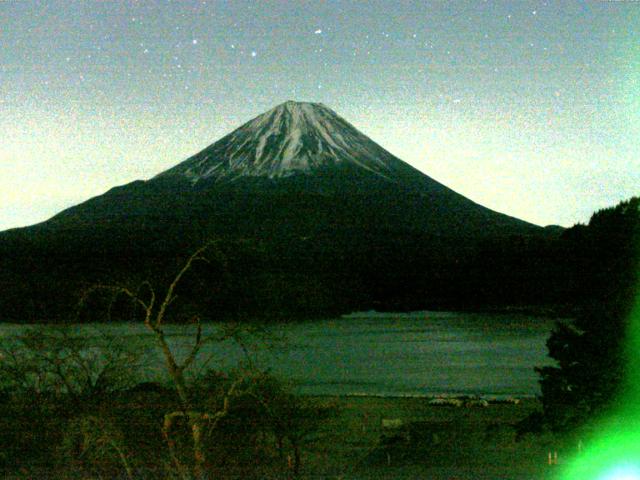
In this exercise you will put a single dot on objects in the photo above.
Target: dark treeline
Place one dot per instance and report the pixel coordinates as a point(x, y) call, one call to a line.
point(592, 353)
point(287, 275)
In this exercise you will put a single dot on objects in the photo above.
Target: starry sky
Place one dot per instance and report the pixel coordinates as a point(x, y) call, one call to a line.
point(531, 108)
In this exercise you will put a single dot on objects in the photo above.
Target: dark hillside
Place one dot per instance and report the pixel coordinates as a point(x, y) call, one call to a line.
point(317, 223)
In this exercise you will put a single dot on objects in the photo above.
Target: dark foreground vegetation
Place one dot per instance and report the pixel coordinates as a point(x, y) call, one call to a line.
point(68, 412)
point(269, 433)
point(69, 409)
point(593, 353)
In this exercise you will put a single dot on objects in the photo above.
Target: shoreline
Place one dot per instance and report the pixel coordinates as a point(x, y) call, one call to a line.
point(490, 398)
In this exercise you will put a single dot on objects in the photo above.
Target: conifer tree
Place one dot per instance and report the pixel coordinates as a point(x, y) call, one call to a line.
point(590, 350)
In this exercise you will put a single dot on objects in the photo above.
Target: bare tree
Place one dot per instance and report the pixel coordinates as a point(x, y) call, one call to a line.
point(154, 306)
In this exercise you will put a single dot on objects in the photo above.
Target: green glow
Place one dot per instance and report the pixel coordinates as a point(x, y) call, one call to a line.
point(614, 451)
point(623, 472)
point(615, 455)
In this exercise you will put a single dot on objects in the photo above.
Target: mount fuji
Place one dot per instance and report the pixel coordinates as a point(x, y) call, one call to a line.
point(333, 212)
point(292, 138)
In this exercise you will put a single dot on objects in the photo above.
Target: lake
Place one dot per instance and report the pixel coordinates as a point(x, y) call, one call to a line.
point(418, 353)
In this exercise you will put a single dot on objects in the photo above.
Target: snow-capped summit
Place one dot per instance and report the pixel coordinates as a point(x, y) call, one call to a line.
point(292, 138)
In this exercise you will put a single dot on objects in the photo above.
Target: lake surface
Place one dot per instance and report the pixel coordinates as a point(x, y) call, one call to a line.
point(420, 353)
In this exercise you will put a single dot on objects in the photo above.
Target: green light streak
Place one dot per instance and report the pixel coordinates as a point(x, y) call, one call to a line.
point(613, 453)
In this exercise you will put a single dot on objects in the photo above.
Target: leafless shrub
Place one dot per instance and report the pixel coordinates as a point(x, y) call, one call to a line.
point(92, 446)
point(56, 361)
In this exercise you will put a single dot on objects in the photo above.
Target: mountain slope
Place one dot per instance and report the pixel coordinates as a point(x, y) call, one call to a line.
point(328, 209)
point(291, 138)
point(307, 152)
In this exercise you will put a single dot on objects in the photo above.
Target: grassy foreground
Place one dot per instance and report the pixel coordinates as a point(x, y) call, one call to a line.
point(68, 414)
point(434, 442)
point(354, 442)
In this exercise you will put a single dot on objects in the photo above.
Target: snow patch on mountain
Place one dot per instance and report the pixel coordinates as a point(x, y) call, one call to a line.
point(292, 138)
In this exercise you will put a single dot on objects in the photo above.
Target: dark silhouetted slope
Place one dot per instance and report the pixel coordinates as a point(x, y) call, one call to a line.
point(335, 218)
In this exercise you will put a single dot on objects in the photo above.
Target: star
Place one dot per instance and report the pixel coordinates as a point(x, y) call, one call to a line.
point(534, 12)
point(253, 53)
point(194, 41)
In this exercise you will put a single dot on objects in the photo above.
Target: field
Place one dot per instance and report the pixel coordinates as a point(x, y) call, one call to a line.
point(360, 438)
point(433, 442)
point(77, 427)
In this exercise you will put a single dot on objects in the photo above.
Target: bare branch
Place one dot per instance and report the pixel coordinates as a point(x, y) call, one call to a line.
point(152, 291)
point(196, 256)
point(215, 418)
point(117, 290)
point(167, 424)
point(196, 346)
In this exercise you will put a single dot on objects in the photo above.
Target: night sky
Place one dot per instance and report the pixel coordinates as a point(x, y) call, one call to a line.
point(529, 108)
